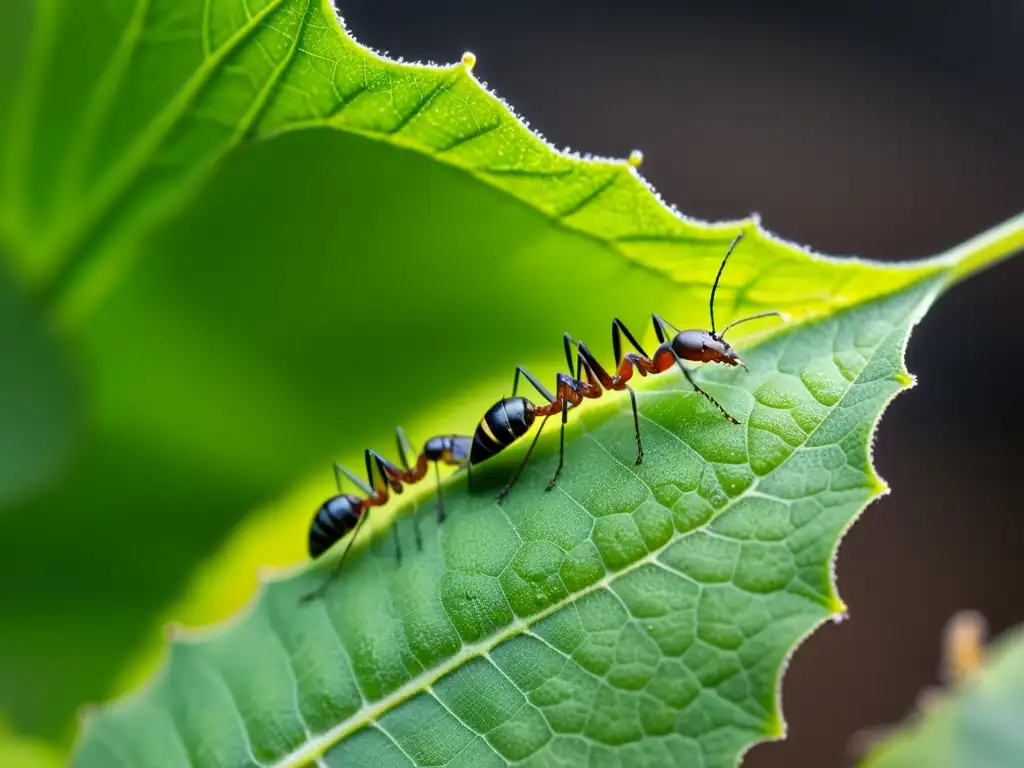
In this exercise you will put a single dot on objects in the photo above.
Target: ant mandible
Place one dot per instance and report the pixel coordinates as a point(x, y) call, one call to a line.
point(512, 417)
point(346, 512)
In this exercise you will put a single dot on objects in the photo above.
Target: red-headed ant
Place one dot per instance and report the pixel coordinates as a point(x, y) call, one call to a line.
point(510, 418)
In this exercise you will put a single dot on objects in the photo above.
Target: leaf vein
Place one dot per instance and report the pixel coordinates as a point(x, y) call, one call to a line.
point(425, 102)
point(590, 197)
point(235, 706)
point(292, 672)
point(124, 174)
point(83, 143)
point(379, 726)
point(468, 137)
point(430, 689)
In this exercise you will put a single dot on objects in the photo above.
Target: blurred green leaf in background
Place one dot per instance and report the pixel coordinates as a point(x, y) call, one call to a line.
point(38, 399)
point(238, 311)
point(975, 721)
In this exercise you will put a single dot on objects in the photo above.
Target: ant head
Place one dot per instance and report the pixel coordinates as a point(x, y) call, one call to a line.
point(434, 448)
point(704, 347)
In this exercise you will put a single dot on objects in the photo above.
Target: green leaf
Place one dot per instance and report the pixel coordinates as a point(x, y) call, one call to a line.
point(976, 726)
point(24, 752)
point(39, 408)
point(39, 422)
point(230, 292)
point(161, 92)
point(639, 612)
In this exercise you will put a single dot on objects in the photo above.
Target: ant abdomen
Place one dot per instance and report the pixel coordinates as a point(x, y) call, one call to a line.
point(504, 423)
point(335, 518)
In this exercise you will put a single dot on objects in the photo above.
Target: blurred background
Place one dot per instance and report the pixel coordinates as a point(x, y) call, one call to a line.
point(866, 128)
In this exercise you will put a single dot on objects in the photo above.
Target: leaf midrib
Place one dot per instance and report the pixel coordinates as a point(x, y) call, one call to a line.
point(318, 746)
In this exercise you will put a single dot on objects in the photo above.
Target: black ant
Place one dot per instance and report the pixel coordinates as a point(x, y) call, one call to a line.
point(512, 417)
point(346, 512)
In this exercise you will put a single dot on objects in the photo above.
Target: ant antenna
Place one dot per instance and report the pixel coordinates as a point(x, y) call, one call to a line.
point(759, 315)
point(718, 277)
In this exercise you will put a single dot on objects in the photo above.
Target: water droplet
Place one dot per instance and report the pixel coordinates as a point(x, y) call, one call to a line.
point(469, 60)
point(635, 158)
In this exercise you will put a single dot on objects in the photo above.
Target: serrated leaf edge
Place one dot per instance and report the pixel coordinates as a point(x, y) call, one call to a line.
point(881, 490)
point(73, 308)
point(994, 240)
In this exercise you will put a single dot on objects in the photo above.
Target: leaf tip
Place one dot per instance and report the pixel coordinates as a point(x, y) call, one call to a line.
point(636, 158)
point(878, 486)
point(906, 380)
point(469, 60)
point(838, 610)
point(775, 729)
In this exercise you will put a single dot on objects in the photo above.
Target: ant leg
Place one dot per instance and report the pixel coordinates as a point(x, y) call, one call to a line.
point(636, 426)
point(689, 378)
point(561, 446)
point(322, 589)
point(385, 479)
point(620, 327)
point(340, 470)
point(597, 376)
point(567, 342)
point(659, 327)
point(416, 531)
point(390, 475)
point(585, 363)
point(440, 500)
point(405, 449)
point(504, 491)
point(533, 380)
